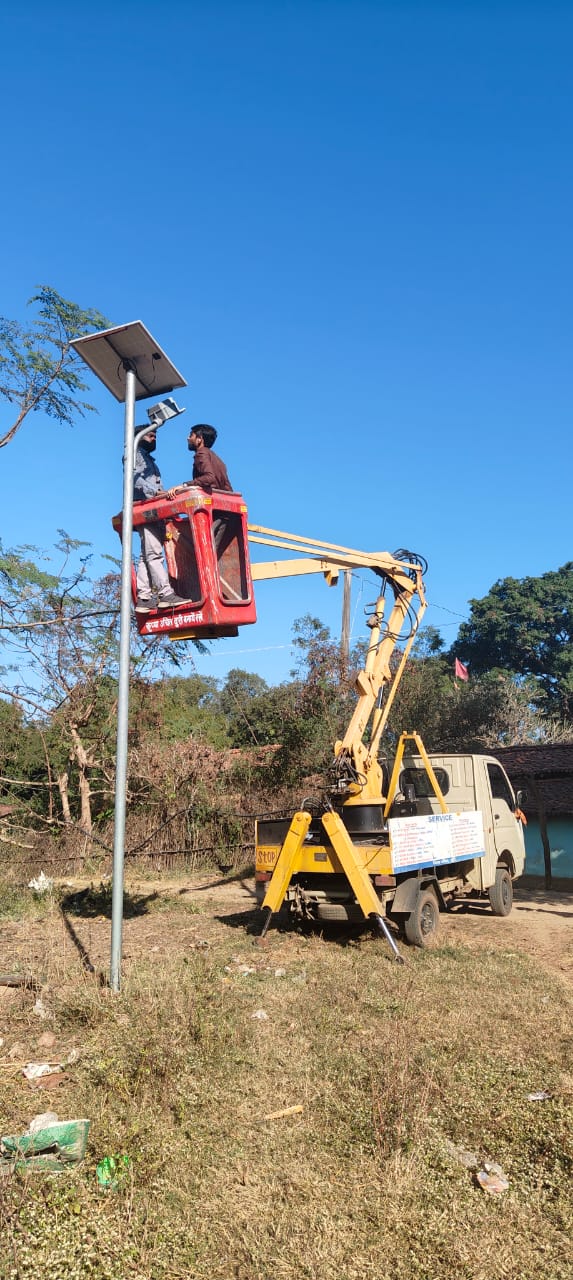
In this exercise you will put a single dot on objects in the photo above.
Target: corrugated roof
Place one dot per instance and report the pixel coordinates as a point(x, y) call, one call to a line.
point(554, 758)
point(550, 766)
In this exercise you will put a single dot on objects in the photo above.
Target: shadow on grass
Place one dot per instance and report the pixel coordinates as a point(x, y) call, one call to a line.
point(248, 920)
point(91, 902)
point(238, 877)
point(340, 934)
point(83, 953)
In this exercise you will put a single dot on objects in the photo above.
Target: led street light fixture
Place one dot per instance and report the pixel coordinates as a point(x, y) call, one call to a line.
point(164, 409)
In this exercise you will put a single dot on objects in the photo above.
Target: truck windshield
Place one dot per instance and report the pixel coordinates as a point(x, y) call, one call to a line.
point(500, 788)
point(419, 780)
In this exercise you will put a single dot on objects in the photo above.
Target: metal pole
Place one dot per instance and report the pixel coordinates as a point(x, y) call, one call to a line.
point(123, 689)
point(345, 635)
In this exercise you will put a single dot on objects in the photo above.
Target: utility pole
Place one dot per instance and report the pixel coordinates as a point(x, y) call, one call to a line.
point(131, 364)
point(345, 633)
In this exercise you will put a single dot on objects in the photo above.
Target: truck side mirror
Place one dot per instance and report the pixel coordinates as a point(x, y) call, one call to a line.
point(521, 797)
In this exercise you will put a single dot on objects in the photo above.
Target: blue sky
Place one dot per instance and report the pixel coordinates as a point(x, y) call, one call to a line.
point(349, 225)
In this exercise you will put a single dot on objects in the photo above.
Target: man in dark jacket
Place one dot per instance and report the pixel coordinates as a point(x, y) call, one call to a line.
point(152, 577)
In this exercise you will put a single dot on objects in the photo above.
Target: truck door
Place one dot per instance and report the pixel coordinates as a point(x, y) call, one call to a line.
point(505, 828)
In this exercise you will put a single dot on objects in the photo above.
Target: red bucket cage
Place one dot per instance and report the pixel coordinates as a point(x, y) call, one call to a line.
point(207, 556)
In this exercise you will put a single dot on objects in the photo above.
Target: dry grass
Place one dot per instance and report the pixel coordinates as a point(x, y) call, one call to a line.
point(395, 1069)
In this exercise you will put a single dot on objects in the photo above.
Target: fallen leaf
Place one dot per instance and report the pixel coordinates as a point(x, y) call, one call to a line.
point(49, 1082)
point(286, 1111)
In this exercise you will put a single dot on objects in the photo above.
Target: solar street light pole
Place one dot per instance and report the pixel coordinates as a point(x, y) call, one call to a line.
point(123, 685)
point(131, 437)
point(133, 366)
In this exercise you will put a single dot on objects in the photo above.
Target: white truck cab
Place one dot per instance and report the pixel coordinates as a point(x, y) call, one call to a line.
point(469, 784)
point(422, 858)
point(472, 782)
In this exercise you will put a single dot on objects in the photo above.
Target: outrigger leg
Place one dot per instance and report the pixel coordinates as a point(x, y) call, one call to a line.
point(357, 876)
point(285, 866)
point(382, 927)
point(267, 922)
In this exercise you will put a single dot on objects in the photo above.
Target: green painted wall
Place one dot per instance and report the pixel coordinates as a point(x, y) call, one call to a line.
point(560, 832)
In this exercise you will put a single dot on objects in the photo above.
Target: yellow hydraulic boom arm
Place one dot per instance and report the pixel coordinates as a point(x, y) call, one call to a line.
point(358, 773)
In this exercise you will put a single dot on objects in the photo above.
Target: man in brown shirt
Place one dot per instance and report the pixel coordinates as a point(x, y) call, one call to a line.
point(209, 470)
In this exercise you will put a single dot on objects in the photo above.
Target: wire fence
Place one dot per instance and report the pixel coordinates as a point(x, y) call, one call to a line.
point(68, 848)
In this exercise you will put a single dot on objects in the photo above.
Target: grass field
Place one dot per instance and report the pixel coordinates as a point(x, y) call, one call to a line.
point(398, 1070)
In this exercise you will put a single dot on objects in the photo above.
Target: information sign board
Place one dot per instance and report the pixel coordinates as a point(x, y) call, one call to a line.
point(435, 839)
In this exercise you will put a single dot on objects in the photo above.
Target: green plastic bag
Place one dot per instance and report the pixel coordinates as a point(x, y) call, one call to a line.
point(111, 1172)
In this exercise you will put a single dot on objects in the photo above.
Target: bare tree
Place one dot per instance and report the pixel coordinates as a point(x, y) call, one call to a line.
point(59, 637)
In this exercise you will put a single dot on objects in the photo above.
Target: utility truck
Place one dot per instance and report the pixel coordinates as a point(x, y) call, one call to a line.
point(392, 842)
point(451, 832)
point(398, 842)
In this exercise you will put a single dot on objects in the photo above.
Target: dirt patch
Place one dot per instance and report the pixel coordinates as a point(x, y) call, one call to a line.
point(163, 918)
point(540, 924)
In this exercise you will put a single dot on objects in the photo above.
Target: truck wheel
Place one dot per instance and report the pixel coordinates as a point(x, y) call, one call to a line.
point(340, 913)
point(424, 920)
point(501, 893)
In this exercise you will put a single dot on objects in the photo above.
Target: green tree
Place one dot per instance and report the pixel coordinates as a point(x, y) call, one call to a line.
point(244, 700)
point(59, 638)
point(319, 704)
point(490, 710)
point(22, 758)
point(524, 626)
point(38, 367)
point(185, 707)
point(255, 711)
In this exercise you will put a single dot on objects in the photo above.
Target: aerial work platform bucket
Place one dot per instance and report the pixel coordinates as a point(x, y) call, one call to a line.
point(207, 557)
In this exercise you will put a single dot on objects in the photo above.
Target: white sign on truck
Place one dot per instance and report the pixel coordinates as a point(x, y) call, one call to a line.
point(435, 839)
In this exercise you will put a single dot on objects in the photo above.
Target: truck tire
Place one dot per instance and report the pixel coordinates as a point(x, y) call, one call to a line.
point(501, 893)
point(339, 913)
point(424, 920)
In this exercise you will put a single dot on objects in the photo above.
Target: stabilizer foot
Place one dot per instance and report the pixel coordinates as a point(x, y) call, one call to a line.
point(382, 928)
point(268, 919)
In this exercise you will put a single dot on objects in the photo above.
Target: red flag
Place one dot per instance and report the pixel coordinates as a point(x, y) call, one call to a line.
point(460, 672)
